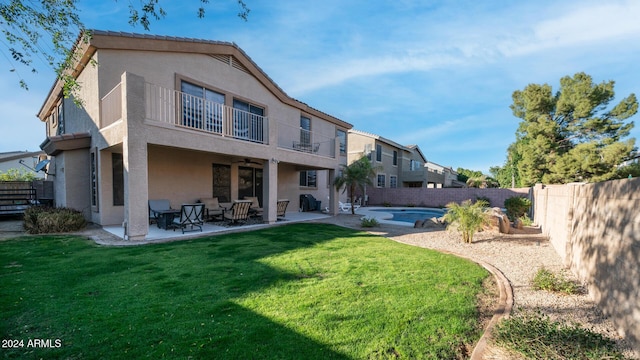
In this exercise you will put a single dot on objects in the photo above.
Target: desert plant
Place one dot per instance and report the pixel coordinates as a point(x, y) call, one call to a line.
point(547, 280)
point(526, 221)
point(536, 336)
point(367, 222)
point(467, 217)
point(356, 175)
point(516, 207)
point(484, 198)
point(42, 219)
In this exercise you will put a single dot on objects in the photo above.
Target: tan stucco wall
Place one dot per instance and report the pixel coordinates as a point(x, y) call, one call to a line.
point(72, 185)
point(156, 151)
point(596, 230)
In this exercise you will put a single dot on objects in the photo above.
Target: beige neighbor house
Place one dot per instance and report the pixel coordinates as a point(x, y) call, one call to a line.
point(439, 176)
point(182, 119)
point(397, 165)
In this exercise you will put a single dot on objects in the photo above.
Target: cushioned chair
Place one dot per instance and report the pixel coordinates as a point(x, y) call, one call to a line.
point(191, 216)
point(255, 208)
point(239, 211)
point(155, 206)
point(282, 208)
point(212, 208)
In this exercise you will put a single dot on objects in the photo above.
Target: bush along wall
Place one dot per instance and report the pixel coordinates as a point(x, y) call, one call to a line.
point(43, 220)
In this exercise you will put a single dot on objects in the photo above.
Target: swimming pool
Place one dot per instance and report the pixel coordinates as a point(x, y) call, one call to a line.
point(410, 215)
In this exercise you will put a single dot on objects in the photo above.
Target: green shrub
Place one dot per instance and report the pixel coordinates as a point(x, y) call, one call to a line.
point(536, 336)
point(468, 217)
point(485, 199)
point(526, 221)
point(517, 206)
point(369, 222)
point(42, 220)
point(547, 280)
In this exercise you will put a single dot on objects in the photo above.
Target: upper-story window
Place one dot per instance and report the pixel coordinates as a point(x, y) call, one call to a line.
point(342, 141)
point(378, 153)
point(202, 108)
point(395, 158)
point(305, 130)
point(415, 165)
point(60, 111)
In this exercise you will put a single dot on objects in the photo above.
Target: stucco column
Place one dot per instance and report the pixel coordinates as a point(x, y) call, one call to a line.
point(270, 191)
point(333, 194)
point(134, 154)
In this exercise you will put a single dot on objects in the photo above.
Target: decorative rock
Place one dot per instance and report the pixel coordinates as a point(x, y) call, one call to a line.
point(518, 224)
point(418, 224)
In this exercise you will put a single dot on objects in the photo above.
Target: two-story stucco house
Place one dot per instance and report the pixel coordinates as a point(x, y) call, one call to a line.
point(397, 165)
point(182, 119)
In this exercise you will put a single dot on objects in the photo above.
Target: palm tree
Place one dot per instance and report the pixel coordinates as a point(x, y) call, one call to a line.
point(358, 174)
point(468, 217)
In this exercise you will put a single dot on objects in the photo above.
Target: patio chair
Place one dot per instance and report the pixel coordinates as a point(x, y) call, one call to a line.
point(255, 208)
point(282, 208)
point(155, 206)
point(192, 216)
point(212, 208)
point(239, 211)
point(346, 207)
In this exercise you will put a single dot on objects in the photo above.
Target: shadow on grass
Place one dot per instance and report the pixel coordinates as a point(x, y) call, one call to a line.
point(164, 300)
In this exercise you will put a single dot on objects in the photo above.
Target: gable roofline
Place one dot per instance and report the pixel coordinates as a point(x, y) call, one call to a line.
point(143, 42)
point(14, 155)
point(417, 148)
point(379, 138)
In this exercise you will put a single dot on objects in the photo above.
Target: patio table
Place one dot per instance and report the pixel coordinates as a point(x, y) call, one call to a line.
point(165, 217)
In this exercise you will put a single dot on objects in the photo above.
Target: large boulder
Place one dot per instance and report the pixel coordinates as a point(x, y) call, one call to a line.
point(433, 223)
point(499, 221)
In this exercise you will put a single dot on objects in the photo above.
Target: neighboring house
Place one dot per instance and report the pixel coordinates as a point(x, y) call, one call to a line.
point(22, 160)
point(182, 119)
point(397, 165)
point(439, 176)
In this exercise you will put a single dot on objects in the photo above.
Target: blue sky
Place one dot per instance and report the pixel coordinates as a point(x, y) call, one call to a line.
point(438, 74)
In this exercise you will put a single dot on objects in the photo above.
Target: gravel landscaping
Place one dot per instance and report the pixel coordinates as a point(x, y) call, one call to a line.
point(518, 257)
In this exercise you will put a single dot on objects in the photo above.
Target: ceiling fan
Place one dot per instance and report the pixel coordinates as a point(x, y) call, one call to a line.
point(248, 162)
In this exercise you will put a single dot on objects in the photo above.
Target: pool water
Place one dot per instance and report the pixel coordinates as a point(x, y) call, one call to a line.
point(411, 215)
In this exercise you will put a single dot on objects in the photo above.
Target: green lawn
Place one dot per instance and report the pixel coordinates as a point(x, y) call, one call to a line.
point(300, 291)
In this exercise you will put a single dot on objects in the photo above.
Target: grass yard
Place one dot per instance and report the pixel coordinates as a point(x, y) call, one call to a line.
point(300, 291)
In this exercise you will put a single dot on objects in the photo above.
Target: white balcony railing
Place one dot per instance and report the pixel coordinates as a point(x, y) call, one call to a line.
point(175, 108)
point(188, 111)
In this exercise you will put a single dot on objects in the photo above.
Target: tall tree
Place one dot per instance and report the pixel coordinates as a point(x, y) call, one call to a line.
point(572, 135)
point(465, 174)
point(48, 29)
point(356, 175)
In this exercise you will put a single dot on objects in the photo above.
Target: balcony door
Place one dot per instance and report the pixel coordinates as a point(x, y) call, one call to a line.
point(202, 108)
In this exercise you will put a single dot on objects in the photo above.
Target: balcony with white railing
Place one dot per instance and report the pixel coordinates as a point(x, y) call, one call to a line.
point(176, 109)
point(187, 111)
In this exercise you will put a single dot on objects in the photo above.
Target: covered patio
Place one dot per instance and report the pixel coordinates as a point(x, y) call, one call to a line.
point(157, 235)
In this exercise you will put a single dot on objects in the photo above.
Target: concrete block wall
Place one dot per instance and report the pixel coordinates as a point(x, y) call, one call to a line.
point(596, 230)
point(427, 197)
